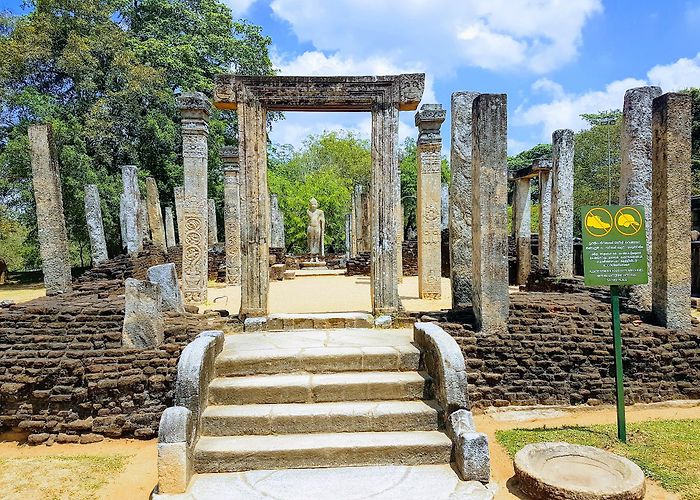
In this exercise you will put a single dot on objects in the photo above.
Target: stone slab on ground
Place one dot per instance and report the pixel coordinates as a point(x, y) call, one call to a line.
point(436, 482)
point(320, 272)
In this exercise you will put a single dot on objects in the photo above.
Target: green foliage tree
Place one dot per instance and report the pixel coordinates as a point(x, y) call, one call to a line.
point(105, 74)
point(695, 152)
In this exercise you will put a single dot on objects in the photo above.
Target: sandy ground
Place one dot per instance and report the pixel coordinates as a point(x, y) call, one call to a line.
point(22, 293)
point(140, 475)
point(312, 294)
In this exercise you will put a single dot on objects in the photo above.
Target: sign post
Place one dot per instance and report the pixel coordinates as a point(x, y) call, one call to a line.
point(614, 254)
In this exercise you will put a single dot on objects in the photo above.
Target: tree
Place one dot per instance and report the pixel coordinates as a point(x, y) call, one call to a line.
point(695, 150)
point(105, 74)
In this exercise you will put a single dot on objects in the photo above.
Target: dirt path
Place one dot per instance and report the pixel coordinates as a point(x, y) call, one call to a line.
point(139, 477)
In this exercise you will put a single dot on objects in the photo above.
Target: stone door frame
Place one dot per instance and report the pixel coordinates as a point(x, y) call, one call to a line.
point(252, 97)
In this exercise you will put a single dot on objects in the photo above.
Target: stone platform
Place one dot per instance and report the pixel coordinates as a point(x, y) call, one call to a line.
point(319, 271)
point(313, 265)
point(435, 482)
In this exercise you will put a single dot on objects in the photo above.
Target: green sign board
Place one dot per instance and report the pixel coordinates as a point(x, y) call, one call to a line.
point(614, 245)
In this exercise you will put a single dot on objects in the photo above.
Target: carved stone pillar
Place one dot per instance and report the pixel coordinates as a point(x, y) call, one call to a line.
point(521, 228)
point(635, 171)
point(169, 227)
point(428, 203)
point(195, 109)
point(353, 221)
point(385, 177)
point(95, 225)
point(155, 217)
point(490, 212)
point(561, 236)
point(211, 215)
point(232, 214)
point(460, 204)
point(130, 202)
point(255, 227)
point(179, 194)
point(276, 223)
point(671, 183)
point(51, 224)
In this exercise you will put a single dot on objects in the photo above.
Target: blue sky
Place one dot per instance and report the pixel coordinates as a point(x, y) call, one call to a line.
point(555, 59)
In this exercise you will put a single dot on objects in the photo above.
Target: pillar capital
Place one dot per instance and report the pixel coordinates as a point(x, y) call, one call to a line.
point(229, 158)
point(428, 120)
point(195, 109)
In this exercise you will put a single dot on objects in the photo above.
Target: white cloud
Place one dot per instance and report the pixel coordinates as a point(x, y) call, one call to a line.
point(443, 35)
point(564, 110)
point(239, 7)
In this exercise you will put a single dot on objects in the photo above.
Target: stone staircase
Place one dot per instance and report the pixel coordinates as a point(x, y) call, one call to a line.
point(324, 398)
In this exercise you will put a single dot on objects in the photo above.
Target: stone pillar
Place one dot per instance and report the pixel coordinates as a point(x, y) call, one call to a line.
point(165, 276)
point(460, 205)
point(276, 223)
point(51, 223)
point(144, 229)
point(179, 193)
point(545, 212)
point(490, 212)
point(348, 235)
point(143, 315)
point(561, 226)
point(130, 202)
point(635, 171)
point(194, 109)
point(399, 235)
point(444, 206)
point(354, 212)
point(95, 225)
point(385, 177)
point(169, 227)
point(521, 229)
point(211, 214)
point(232, 214)
point(671, 187)
point(155, 216)
point(255, 207)
point(428, 204)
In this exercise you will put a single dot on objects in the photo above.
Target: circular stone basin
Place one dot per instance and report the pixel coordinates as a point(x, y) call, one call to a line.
point(566, 471)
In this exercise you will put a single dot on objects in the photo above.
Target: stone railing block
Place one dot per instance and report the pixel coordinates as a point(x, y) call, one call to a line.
point(444, 362)
point(471, 448)
point(175, 442)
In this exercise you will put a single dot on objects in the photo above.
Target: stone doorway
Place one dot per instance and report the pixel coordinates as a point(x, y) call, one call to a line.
point(252, 97)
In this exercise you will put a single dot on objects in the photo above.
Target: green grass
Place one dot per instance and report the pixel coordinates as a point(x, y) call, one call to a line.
point(58, 477)
point(666, 450)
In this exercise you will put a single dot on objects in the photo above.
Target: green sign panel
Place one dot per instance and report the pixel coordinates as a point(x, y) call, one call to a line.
point(614, 245)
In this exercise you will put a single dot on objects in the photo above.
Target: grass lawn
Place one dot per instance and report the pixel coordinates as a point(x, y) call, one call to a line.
point(666, 450)
point(57, 477)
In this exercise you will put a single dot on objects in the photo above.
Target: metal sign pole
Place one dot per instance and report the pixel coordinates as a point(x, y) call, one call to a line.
point(619, 380)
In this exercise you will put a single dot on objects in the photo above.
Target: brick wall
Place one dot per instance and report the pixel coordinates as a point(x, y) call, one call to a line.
point(558, 350)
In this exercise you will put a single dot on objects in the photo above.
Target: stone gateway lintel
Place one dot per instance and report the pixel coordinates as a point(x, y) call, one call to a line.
point(320, 93)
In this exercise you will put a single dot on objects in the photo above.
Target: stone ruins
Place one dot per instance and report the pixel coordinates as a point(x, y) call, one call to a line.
point(149, 349)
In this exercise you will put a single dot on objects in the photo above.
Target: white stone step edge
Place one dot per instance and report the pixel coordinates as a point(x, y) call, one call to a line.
point(295, 418)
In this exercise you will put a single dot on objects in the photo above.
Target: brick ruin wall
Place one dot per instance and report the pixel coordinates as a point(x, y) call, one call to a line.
point(559, 350)
point(64, 376)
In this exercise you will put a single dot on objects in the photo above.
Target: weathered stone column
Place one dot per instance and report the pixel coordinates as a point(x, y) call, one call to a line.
point(276, 223)
point(211, 215)
point(354, 211)
point(490, 212)
point(144, 229)
point(444, 206)
point(255, 207)
point(95, 225)
point(130, 202)
point(399, 235)
point(460, 204)
point(143, 315)
point(385, 177)
point(365, 223)
point(545, 216)
point(169, 227)
point(194, 109)
point(671, 184)
point(521, 229)
point(155, 216)
point(179, 194)
point(428, 204)
point(561, 227)
point(232, 214)
point(348, 235)
point(635, 171)
point(51, 223)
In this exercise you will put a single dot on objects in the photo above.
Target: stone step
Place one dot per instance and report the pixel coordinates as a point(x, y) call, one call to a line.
point(305, 321)
point(232, 362)
point(240, 453)
point(298, 418)
point(317, 388)
point(379, 482)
